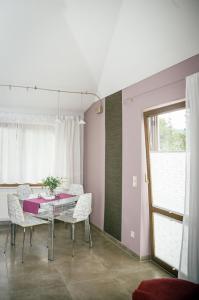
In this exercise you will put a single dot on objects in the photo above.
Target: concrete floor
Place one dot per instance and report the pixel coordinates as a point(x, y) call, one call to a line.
point(103, 272)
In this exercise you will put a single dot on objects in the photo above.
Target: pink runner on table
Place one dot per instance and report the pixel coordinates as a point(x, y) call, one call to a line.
point(33, 205)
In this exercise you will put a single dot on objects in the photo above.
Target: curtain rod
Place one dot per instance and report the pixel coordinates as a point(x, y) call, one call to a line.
point(49, 90)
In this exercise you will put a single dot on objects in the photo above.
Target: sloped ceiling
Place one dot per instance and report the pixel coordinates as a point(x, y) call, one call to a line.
point(95, 45)
point(149, 36)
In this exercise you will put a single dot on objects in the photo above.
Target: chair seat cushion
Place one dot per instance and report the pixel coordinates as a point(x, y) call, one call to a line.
point(30, 221)
point(67, 217)
point(166, 289)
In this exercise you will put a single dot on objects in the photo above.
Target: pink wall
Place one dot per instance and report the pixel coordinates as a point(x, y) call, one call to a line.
point(94, 162)
point(164, 87)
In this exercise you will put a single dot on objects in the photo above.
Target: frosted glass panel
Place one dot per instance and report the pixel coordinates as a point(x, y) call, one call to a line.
point(168, 180)
point(167, 236)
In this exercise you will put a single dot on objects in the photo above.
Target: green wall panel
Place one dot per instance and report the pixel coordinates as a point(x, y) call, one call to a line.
point(113, 165)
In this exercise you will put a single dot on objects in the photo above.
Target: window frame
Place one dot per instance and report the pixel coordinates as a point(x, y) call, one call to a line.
point(176, 216)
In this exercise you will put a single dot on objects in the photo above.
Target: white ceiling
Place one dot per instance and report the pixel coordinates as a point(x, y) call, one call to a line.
point(149, 36)
point(96, 45)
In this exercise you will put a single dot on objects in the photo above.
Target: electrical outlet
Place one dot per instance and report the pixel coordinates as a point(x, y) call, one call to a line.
point(132, 234)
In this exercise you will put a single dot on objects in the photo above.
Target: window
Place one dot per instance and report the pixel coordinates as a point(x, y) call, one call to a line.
point(26, 152)
point(166, 145)
point(33, 147)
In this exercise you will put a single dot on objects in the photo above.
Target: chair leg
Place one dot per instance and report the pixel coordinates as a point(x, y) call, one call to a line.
point(73, 238)
point(86, 226)
point(24, 235)
point(13, 234)
point(90, 237)
point(6, 241)
point(51, 241)
point(31, 232)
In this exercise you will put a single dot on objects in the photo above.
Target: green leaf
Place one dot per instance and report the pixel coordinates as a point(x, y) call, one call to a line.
point(52, 182)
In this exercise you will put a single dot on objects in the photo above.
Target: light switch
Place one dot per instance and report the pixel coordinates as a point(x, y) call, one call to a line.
point(134, 181)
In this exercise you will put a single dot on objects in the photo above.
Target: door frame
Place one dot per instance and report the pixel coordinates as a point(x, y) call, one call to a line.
point(150, 113)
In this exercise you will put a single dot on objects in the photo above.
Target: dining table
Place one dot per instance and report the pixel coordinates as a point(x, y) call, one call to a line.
point(49, 207)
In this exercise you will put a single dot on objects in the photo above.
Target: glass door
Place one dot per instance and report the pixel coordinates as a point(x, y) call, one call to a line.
point(165, 147)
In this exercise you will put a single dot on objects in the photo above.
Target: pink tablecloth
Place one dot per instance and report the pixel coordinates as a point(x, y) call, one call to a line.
point(33, 205)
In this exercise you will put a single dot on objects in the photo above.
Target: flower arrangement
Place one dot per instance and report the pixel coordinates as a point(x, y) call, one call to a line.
point(52, 182)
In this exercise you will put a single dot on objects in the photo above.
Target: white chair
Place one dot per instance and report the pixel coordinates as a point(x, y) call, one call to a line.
point(76, 189)
point(81, 213)
point(24, 191)
point(17, 217)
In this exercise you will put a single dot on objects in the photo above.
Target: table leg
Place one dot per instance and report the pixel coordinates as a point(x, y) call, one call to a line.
point(13, 234)
point(51, 242)
point(87, 232)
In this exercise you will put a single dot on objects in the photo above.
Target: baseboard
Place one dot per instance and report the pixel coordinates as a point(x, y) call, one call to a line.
point(120, 245)
point(145, 257)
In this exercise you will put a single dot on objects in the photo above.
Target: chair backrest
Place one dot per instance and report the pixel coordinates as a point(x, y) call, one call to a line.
point(76, 189)
point(83, 207)
point(24, 191)
point(15, 211)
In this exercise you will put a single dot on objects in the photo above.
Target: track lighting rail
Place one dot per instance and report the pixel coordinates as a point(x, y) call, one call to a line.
point(10, 86)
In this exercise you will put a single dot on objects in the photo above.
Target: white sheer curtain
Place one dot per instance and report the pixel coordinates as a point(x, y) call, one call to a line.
point(189, 261)
point(67, 161)
point(31, 151)
point(26, 152)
